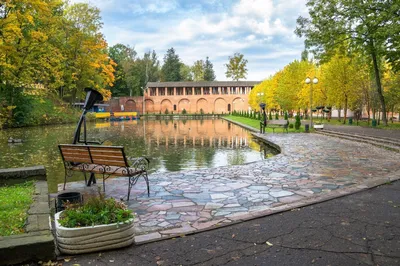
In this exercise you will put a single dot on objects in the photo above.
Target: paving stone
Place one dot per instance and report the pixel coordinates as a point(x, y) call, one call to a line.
point(282, 193)
point(182, 204)
point(212, 206)
point(147, 237)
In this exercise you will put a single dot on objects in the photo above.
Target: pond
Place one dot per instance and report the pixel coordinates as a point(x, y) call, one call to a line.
point(171, 145)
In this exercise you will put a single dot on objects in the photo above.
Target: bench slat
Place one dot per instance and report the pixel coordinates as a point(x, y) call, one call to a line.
point(109, 162)
point(77, 159)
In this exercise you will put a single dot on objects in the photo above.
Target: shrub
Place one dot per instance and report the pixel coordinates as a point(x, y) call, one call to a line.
point(166, 111)
point(297, 124)
point(270, 116)
point(201, 111)
point(276, 116)
point(291, 126)
point(97, 210)
point(184, 111)
point(286, 116)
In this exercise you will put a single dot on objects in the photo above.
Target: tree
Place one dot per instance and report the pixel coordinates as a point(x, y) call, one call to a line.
point(370, 27)
point(236, 68)
point(87, 63)
point(186, 73)
point(198, 70)
point(171, 70)
point(29, 50)
point(341, 74)
point(209, 74)
point(124, 56)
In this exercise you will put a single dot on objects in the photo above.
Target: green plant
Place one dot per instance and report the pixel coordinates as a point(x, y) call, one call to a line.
point(166, 111)
point(276, 116)
point(201, 111)
point(286, 116)
point(297, 124)
point(15, 201)
point(96, 211)
point(270, 116)
point(291, 126)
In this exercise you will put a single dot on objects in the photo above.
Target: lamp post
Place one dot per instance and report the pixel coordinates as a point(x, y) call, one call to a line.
point(264, 122)
point(308, 81)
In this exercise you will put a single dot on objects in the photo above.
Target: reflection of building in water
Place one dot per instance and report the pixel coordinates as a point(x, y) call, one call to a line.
point(210, 133)
point(195, 97)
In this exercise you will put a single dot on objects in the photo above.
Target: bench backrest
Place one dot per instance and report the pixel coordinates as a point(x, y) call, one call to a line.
point(101, 155)
point(278, 122)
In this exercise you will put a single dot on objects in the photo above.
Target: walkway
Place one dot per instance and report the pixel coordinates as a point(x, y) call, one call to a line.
point(360, 229)
point(311, 168)
point(367, 131)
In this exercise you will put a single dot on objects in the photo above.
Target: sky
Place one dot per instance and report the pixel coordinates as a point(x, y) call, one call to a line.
point(262, 30)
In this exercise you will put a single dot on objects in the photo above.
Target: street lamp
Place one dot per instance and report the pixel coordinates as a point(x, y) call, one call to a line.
point(308, 81)
point(264, 122)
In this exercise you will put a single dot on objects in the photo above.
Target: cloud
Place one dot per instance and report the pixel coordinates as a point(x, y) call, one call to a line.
point(260, 29)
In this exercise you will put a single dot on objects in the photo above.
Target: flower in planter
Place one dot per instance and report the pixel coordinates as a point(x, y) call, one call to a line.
point(96, 211)
point(99, 224)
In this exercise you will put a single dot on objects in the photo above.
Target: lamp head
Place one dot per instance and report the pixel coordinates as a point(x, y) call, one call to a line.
point(262, 105)
point(92, 96)
point(315, 80)
point(308, 80)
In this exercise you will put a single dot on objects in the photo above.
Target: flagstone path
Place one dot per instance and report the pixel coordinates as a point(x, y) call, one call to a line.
point(310, 168)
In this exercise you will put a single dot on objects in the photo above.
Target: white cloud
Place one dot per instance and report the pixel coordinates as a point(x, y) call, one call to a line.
point(255, 28)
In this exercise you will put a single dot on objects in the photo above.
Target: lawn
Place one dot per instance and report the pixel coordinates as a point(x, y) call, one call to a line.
point(255, 123)
point(14, 204)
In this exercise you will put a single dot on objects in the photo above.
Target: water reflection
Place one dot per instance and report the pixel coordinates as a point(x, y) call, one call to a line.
point(171, 145)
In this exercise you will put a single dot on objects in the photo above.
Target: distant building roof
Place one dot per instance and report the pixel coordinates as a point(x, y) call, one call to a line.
point(202, 84)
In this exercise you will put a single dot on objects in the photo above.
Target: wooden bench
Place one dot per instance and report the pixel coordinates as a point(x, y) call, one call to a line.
point(278, 123)
point(104, 160)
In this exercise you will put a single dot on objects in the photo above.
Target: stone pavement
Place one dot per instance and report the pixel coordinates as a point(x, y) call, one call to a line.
point(310, 168)
point(359, 229)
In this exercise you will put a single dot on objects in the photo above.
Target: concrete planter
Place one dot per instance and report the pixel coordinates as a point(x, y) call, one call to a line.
point(93, 238)
point(319, 126)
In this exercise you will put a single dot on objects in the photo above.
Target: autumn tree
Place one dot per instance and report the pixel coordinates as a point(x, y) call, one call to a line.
point(86, 52)
point(341, 74)
point(236, 68)
point(29, 52)
point(370, 27)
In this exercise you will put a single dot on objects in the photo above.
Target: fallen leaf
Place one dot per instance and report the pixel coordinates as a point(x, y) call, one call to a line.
point(67, 259)
point(111, 260)
point(268, 243)
point(233, 235)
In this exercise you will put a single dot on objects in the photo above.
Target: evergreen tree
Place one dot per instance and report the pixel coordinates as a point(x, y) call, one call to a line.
point(209, 74)
point(297, 124)
point(171, 70)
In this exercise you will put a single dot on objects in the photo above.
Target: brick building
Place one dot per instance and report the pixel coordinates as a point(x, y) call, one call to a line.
point(195, 97)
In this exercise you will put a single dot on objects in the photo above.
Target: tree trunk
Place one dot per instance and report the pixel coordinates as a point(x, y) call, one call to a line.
point(345, 110)
point(378, 84)
point(339, 111)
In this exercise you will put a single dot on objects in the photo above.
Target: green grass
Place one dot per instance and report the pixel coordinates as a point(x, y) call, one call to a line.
point(255, 123)
point(14, 204)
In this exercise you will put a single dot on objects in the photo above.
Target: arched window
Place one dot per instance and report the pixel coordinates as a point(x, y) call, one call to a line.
point(174, 107)
point(229, 107)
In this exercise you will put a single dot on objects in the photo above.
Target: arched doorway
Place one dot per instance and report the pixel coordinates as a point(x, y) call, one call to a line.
point(238, 104)
point(166, 105)
point(149, 106)
point(184, 104)
point(202, 104)
point(220, 106)
point(130, 105)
